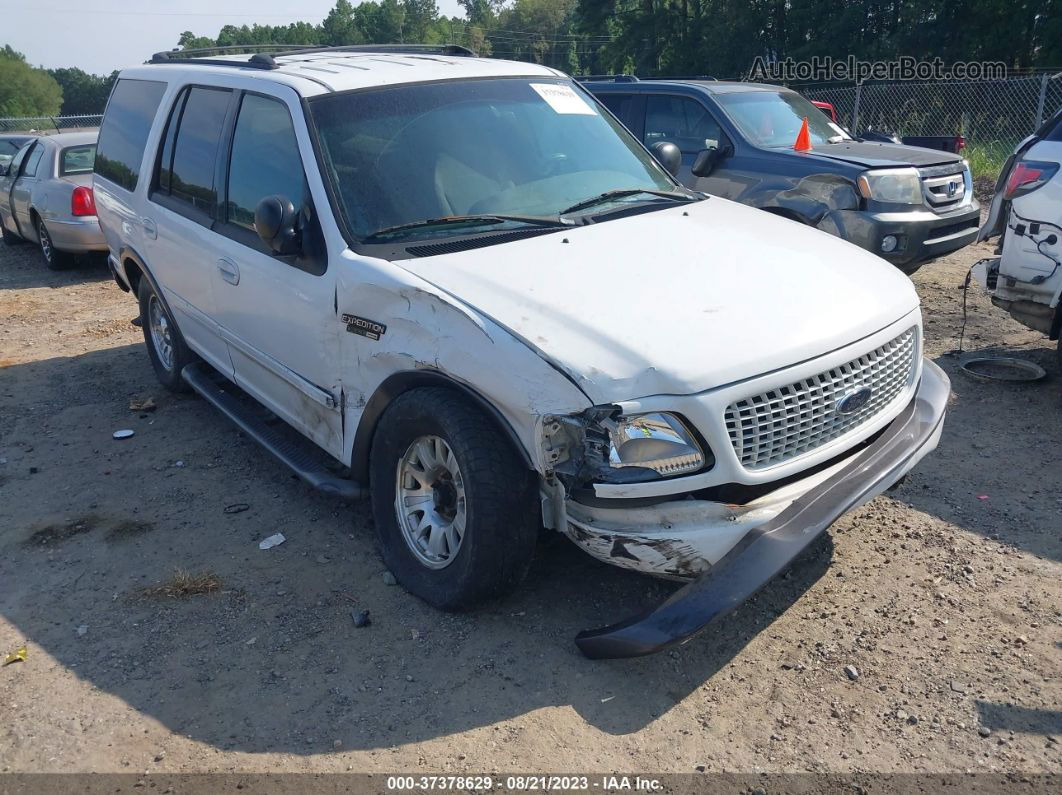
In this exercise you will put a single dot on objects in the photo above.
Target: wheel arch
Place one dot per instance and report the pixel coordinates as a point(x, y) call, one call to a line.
point(135, 269)
point(398, 384)
point(807, 197)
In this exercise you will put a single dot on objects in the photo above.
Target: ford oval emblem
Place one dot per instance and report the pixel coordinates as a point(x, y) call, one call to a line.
point(854, 400)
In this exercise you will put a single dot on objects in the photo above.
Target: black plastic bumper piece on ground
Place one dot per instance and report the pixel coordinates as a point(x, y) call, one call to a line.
point(294, 454)
point(770, 548)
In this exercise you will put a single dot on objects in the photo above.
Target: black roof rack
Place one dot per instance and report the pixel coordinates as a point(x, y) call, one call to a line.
point(264, 55)
point(635, 79)
point(682, 77)
point(613, 78)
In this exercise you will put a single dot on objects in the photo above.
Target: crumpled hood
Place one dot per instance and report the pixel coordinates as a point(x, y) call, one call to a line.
point(677, 301)
point(871, 154)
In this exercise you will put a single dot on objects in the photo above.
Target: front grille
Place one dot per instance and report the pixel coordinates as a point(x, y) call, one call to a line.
point(783, 423)
point(944, 187)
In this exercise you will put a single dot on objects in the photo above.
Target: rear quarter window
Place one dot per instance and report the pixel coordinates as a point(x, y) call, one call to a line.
point(123, 134)
point(77, 159)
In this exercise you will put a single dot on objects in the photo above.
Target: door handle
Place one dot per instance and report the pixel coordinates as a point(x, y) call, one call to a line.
point(150, 229)
point(230, 272)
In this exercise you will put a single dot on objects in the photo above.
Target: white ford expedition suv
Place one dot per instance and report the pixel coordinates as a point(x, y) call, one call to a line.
point(463, 280)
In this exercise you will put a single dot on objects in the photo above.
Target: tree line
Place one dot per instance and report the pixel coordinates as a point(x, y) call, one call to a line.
point(721, 38)
point(30, 91)
point(715, 37)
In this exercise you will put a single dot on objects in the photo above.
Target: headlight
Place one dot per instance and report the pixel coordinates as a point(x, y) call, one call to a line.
point(893, 185)
point(653, 441)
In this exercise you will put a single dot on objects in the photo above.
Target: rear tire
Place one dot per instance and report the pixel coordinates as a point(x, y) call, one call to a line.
point(55, 260)
point(166, 347)
point(455, 507)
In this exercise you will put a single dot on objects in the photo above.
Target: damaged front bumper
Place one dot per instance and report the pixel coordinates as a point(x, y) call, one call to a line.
point(760, 545)
point(921, 234)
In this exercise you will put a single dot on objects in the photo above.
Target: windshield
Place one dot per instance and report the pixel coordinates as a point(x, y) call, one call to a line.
point(514, 147)
point(773, 119)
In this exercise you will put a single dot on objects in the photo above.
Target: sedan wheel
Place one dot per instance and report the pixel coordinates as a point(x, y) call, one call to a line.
point(55, 259)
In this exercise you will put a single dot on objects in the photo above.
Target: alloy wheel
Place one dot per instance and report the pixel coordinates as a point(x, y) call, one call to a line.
point(430, 501)
point(161, 333)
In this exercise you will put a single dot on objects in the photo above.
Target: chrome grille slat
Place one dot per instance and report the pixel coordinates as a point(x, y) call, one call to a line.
point(935, 180)
point(783, 423)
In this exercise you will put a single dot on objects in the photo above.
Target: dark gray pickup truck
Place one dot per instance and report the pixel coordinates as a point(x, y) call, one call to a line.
point(736, 140)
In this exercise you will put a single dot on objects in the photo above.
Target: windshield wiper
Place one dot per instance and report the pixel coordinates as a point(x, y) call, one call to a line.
point(609, 195)
point(471, 220)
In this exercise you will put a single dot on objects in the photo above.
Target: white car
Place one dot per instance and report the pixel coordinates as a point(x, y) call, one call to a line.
point(1026, 214)
point(463, 279)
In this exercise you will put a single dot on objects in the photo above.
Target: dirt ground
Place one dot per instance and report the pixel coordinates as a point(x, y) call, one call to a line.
point(945, 596)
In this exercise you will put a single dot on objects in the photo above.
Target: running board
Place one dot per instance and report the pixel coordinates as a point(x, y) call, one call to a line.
point(293, 453)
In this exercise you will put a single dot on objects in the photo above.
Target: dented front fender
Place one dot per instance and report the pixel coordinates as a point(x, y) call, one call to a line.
point(413, 327)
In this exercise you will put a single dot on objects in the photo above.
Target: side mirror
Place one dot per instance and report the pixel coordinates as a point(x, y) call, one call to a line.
point(3, 169)
point(708, 159)
point(668, 156)
point(274, 220)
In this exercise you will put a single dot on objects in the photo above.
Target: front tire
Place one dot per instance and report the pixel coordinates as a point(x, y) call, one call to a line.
point(55, 260)
point(166, 347)
point(455, 508)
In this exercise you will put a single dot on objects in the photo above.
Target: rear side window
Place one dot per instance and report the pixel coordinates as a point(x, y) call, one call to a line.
point(77, 159)
point(265, 159)
point(34, 159)
point(126, 124)
point(190, 149)
point(621, 105)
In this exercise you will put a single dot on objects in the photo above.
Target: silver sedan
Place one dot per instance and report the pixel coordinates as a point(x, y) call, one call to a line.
point(46, 197)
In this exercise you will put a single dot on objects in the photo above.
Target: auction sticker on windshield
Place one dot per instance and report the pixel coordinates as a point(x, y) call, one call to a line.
point(562, 99)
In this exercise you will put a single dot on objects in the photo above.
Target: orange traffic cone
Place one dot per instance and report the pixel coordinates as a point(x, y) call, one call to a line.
point(803, 139)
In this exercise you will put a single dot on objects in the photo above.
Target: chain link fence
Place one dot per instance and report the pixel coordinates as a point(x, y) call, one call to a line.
point(48, 124)
point(992, 115)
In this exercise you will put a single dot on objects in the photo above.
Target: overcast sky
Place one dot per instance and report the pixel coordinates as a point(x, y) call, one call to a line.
point(103, 35)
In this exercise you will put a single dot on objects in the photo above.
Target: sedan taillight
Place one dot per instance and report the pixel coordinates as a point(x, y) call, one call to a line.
point(1027, 176)
point(82, 202)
